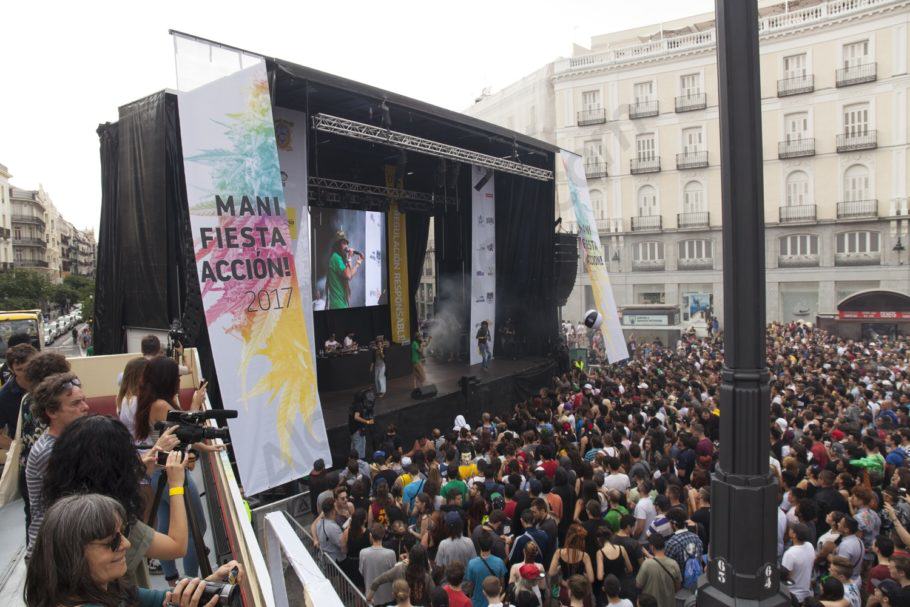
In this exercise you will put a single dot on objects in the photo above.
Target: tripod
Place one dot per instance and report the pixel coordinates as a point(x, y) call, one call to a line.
point(205, 567)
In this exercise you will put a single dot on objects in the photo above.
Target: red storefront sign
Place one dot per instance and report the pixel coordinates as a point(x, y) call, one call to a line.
point(848, 315)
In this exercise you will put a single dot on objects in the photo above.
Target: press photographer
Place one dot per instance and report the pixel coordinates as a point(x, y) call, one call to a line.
point(80, 559)
point(360, 420)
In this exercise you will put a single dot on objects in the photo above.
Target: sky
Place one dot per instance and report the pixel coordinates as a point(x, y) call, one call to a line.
point(68, 66)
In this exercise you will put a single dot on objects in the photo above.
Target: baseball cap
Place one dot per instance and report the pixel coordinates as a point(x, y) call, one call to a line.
point(378, 454)
point(837, 434)
point(452, 518)
point(889, 588)
point(530, 571)
point(405, 461)
point(588, 387)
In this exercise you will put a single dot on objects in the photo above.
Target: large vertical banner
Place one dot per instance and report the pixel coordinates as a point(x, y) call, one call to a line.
point(483, 258)
point(399, 291)
point(250, 278)
point(593, 257)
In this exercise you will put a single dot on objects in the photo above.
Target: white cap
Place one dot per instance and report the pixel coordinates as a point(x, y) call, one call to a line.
point(405, 461)
point(588, 387)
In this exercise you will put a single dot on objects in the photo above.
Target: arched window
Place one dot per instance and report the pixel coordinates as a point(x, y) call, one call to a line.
point(856, 183)
point(693, 198)
point(647, 201)
point(598, 205)
point(695, 250)
point(798, 189)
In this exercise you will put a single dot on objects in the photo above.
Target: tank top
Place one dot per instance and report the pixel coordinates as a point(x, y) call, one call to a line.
point(569, 569)
point(615, 566)
point(128, 416)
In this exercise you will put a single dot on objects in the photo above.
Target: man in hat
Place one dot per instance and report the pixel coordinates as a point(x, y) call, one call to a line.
point(342, 268)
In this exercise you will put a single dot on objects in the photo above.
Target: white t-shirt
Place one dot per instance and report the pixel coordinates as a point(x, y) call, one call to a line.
point(644, 509)
point(799, 560)
point(620, 482)
point(781, 530)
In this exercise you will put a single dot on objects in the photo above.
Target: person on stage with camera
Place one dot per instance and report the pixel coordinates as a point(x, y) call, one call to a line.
point(157, 396)
point(360, 420)
point(80, 558)
point(96, 454)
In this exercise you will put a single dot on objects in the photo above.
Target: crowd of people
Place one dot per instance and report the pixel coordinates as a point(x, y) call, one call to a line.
point(88, 481)
point(597, 491)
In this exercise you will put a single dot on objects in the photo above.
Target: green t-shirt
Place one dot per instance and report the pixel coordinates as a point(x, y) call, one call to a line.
point(613, 515)
point(415, 351)
point(336, 283)
point(456, 485)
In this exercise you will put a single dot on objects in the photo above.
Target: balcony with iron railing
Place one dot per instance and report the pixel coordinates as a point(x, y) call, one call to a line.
point(30, 219)
point(795, 148)
point(28, 241)
point(691, 102)
point(609, 225)
point(692, 263)
point(856, 74)
point(857, 209)
point(695, 219)
point(595, 170)
point(797, 213)
point(644, 109)
point(857, 140)
point(592, 116)
point(692, 160)
point(796, 85)
point(646, 223)
point(637, 166)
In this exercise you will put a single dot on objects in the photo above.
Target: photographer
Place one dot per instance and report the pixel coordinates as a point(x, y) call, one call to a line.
point(80, 559)
point(360, 420)
point(157, 396)
point(96, 454)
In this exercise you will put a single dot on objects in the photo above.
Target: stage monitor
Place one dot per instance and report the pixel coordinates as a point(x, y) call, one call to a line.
point(348, 258)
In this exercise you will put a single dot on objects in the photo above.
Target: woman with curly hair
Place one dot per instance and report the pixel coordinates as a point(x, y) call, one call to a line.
point(571, 559)
point(95, 454)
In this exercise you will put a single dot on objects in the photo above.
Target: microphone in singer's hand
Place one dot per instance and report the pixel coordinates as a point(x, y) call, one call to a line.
point(358, 253)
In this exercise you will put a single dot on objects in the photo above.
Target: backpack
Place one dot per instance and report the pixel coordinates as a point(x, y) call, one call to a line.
point(691, 572)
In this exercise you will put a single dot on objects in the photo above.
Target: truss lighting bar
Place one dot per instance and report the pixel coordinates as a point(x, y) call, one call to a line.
point(366, 132)
point(376, 190)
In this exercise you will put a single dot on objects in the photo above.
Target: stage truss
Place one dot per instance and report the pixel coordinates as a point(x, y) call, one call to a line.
point(335, 192)
point(396, 139)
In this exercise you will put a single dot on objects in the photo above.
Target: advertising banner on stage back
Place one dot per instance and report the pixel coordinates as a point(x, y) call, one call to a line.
point(399, 293)
point(593, 257)
point(483, 258)
point(255, 291)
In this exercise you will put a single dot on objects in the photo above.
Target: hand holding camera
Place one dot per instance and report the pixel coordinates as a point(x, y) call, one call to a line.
point(220, 588)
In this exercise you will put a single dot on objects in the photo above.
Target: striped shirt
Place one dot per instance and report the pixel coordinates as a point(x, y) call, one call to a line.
point(34, 480)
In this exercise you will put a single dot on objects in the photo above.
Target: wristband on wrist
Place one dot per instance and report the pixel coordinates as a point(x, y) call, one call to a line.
point(175, 491)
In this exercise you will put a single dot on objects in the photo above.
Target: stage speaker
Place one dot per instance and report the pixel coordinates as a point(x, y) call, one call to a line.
point(565, 265)
point(425, 391)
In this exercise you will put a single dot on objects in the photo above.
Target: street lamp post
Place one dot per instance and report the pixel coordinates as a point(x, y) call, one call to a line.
point(744, 496)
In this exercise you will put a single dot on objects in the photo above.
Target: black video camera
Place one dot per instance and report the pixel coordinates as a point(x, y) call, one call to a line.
point(176, 337)
point(228, 594)
point(189, 425)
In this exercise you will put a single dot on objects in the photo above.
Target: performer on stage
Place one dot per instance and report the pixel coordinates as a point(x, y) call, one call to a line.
point(331, 344)
point(378, 366)
point(483, 344)
point(417, 358)
point(343, 265)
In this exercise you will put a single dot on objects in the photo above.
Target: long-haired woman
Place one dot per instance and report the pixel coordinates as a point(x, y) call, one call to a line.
point(80, 558)
point(157, 395)
point(571, 560)
point(129, 392)
point(415, 571)
point(95, 454)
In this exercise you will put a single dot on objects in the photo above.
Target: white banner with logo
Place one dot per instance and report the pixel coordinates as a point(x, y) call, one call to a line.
point(254, 273)
point(483, 259)
point(593, 257)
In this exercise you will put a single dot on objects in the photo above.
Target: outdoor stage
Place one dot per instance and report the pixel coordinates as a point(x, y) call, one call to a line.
point(501, 386)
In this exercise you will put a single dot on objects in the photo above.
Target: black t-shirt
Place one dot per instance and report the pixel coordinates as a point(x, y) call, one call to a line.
point(365, 408)
point(399, 544)
point(702, 516)
point(483, 335)
point(10, 398)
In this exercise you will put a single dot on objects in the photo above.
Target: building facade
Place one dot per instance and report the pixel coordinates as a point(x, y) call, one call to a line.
point(641, 107)
point(425, 299)
point(86, 248)
point(6, 233)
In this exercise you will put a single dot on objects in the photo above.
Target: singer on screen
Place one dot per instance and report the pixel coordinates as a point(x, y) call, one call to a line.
point(343, 265)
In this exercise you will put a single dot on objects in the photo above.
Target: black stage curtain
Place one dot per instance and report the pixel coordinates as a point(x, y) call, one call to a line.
point(107, 337)
point(418, 229)
point(524, 261)
point(452, 229)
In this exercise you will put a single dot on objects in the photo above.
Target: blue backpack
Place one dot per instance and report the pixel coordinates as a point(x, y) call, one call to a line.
point(692, 572)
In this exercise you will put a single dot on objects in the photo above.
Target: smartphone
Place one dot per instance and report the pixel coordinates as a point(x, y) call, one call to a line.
point(161, 458)
point(902, 491)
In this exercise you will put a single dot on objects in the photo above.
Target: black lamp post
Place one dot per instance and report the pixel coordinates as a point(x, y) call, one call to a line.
point(744, 496)
point(899, 248)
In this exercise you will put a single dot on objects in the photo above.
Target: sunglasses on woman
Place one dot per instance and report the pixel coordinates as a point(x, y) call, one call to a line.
point(116, 541)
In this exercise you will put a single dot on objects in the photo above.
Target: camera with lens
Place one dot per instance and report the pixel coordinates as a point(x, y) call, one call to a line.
point(190, 428)
point(176, 337)
point(228, 594)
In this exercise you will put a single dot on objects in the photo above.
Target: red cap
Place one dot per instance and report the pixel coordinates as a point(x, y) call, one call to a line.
point(530, 571)
point(837, 434)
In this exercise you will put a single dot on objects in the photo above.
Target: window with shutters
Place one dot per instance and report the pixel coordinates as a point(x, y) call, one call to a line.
point(689, 85)
point(856, 120)
point(798, 189)
point(799, 245)
point(593, 152)
point(648, 251)
point(795, 66)
point(796, 127)
point(856, 53)
point(856, 183)
point(857, 243)
point(692, 140)
point(590, 100)
point(643, 91)
point(647, 201)
point(693, 197)
point(598, 205)
point(645, 147)
point(695, 250)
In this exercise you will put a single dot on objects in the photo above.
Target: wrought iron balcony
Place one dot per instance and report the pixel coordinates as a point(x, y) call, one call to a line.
point(595, 170)
point(38, 221)
point(859, 140)
point(695, 264)
point(30, 263)
point(692, 160)
point(795, 148)
point(30, 242)
point(857, 74)
point(796, 85)
point(644, 109)
point(592, 116)
point(696, 219)
point(638, 166)
point(609, 225)
point(690, 103)
point(646, 223)
point(797, 213)
point(857, 209)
